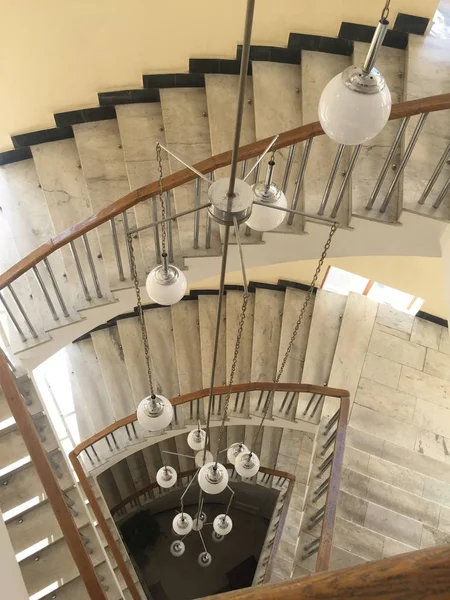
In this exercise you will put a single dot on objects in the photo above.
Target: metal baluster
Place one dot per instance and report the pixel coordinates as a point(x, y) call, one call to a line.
point(442, 194)
point(156, 230)
point(95, 452)
point(300, 178)
point(243, 169)
point(288, 167)
point(76, 258)
point(169, 228)
point(331, 422)
point(243, 402)
point(320, 492)
point(46, 294)
point(387, 162)
point(236, 400)
point(260, 399)
point(288, 410)
point(331, 178)
point(408, 152)
point(128, 433)
point(13, 318)
point(286, 396)
point(208, 221)
point(435, 175)
point(345, 181)
point(13, 369)
point(125, 233)
point(56, 288)
point(117, 250)
point(198, 189)
point(325, 465)
point(316, 518)
point(311, 548)
point(316, 406)
point(133, 427)
point(328, 443)
point(87, 247)
point(109, 444)
point(114, 440)
point(308, 406)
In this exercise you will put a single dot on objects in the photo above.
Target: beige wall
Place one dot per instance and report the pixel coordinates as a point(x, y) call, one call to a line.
point(416, 275)
point(57, 55)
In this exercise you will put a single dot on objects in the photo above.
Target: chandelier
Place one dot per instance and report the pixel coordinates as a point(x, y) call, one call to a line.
point(353, 108)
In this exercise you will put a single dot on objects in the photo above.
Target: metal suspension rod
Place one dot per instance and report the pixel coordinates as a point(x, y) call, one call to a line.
point(387, 162)
point(156, 232)
point(297, 212)
point(375, 45)
point(198, 191)
point(169, 228)
point(435, 175)
point(331, 178)
point(241, 96)
point(241, 255)
point(345, 181)
point(300, 178)
point(408, 152)
point(257, 164)
point(177, 216)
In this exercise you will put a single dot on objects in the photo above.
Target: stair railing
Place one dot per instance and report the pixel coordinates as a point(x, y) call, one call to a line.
point(38, 265)
point(92, 449)
point(55, 495)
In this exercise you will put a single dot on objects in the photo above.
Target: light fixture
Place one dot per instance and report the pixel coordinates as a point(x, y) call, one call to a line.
point(356, 104)
point(166, 284)
point(217, 538)
point(196, 439)
point(213, 478)
point(222, 524)
point(247, 464)
point(182, 524)
point(234, 450)
point(202, 457)
point(154, 413)
point(204, 559)
point(199, 521)
point(177, 548)
point(265, 216)
point(166, 477)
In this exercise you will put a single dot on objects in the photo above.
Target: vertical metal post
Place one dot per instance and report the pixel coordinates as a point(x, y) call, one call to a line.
point(56, 288)
point(442, 194)
point(76, 258)
point(125, 232)
point(117, 250)
point(208, 220)
point(22, 311)
point(169, 228)
point(198, 190)
point(435, 175)
point(331, 179)
point(406, 157)
point(87, 247)
point(345, 181)
point(46, 294)
point(288, 167)
point(13, 319)
point(300, 178)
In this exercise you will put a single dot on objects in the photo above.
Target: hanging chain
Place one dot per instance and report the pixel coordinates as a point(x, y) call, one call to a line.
point(161, 199)
point(233, 368)
point(137, 288)
point(296, 328)
point(385, 13)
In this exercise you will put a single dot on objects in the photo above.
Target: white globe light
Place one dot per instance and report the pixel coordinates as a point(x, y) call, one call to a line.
point(166, 477)
point(213, 479)
point(196, 439)
point(234, 450)
point(177, 548)
point(182, 524)
point(154, 413)
point(352, 108)
point(199, 462)
point(217, 538)
point(222, 524)
point(266, 218)
point(247, 464)
point(166, 285)
point(204, 559)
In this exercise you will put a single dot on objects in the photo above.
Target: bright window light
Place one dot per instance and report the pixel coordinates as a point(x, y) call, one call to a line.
point(343, 282)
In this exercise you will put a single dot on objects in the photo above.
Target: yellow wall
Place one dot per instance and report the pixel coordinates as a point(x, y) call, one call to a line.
point(418, 276)
point(56, 55)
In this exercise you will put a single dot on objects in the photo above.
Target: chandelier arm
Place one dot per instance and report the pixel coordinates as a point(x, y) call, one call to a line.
point(296, 212)
point(190, 167)
point(241, 254)
point(294, 333)
point(178, 454)
point(186, 490)
point(229, 502)
point(261, 157)
point(171, 218)
point(203, 542)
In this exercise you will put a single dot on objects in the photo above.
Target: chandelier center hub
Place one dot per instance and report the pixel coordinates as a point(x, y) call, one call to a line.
point(223, 208)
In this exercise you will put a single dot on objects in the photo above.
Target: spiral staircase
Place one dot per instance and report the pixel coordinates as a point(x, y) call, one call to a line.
point(389, 493)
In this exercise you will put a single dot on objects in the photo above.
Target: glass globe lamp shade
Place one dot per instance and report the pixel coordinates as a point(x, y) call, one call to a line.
point(204, 559)
point(234, 450)
point(266, 218)
point(177, 548)
point(154, 413)
point(217, 538)
point(213, 479)
point(199, 462)
point(166, 285)
point(182, 524)
point(352, 117)
point(247, 464)
point(196, 439)
point(222, 524)
point(166, 477)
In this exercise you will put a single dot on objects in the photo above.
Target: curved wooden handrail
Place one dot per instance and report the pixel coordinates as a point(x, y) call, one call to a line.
point(293, 136)
point(151, 486)
point(217, 391)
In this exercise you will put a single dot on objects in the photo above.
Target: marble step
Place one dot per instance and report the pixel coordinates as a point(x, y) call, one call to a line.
point(318, 68)
point(221, 96)
point(32, 401)
point(391, 62)
point(101, 158)
point(276, 112)
point(185, 118)
point(141, 128)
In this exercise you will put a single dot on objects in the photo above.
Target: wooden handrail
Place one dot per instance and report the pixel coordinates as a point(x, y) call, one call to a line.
point(49, 482)
point(223, 389)
point(420, 575)
point(294, 136)
point(151, 486)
